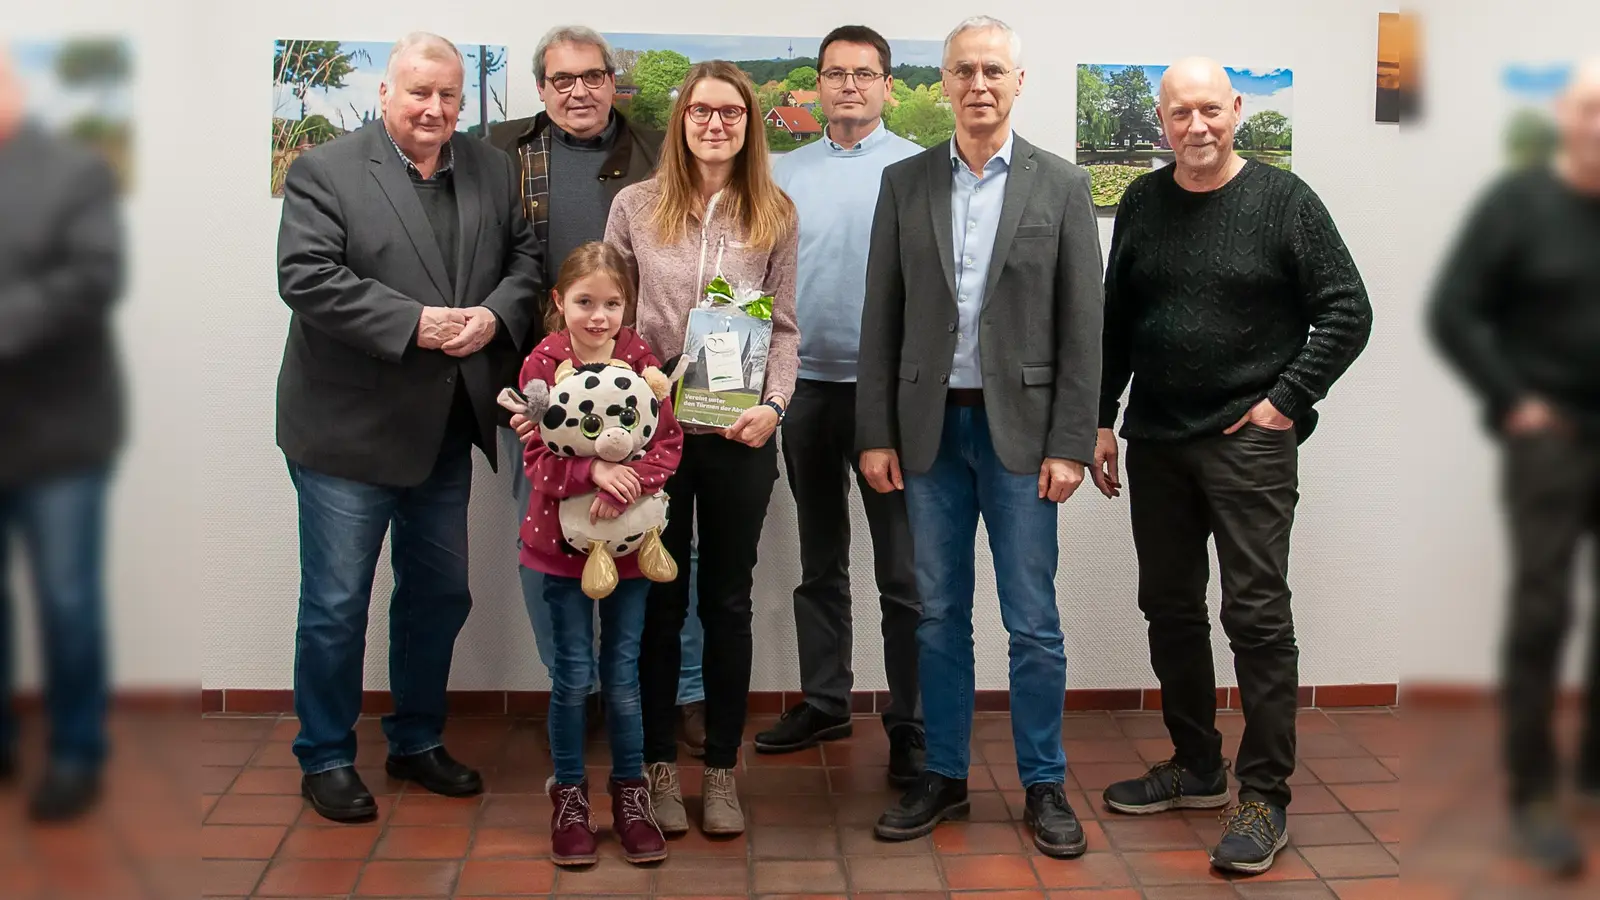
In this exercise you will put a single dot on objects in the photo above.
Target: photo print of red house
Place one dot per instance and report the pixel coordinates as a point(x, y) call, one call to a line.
point(796, 120)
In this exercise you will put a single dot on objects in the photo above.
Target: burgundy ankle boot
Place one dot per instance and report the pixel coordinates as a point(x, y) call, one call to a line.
point(635, 822)
point(571, 825)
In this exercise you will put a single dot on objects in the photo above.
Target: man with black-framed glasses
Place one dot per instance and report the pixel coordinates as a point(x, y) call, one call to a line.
point(834, 184)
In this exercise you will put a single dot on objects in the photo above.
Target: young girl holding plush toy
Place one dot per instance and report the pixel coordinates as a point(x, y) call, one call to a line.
point(605, 444)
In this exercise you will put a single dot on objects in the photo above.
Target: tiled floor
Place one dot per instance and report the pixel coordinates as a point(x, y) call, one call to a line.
point(810, 822)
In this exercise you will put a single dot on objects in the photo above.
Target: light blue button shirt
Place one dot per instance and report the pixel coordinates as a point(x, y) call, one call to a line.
point(975, 203)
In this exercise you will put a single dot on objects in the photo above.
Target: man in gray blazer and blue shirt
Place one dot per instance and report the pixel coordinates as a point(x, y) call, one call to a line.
point(412, 275)
point(979, 378)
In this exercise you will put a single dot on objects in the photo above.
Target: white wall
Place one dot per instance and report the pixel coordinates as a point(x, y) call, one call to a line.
point(207, 330)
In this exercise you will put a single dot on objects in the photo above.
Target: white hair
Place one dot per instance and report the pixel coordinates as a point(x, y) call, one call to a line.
point(571, 34)
point(987, 23)
point(424, 44)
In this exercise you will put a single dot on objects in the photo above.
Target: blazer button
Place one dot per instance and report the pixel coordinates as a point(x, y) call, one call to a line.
point(951, 327)
point(944, 379)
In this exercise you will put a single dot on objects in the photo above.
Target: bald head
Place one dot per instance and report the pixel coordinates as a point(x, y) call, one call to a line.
point(1578, 115)
point(1199, 109)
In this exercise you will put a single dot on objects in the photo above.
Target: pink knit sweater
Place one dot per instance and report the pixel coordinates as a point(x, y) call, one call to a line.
point(667, 288)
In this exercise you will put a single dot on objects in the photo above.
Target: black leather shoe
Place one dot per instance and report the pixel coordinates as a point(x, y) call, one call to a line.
point(66, 793)
point(933, 799)
point(908, 749)
point(436, 771)
point(802, 726)
point(339, 794)
point(1056, 830)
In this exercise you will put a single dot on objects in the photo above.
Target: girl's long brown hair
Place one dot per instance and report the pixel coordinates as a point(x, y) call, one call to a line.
point(764, 213)
point(593, 258)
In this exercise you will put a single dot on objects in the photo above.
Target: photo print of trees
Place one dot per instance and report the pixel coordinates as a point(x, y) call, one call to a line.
point(1119, 136)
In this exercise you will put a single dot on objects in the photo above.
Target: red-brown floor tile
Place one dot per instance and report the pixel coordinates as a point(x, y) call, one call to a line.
point(1101, 751)
point(1329, 746)
point(1151, 750)
point(505, 877)
point(1283, 890)
point(968, 873)
point(1320, 829)
point(1109, 894)
point(858, 779)
point(275, 754)
point(615, 878)
point(959, 838)
point(1003, 777)
point(783, 876)
point(1366, 797)
point(1090, 726)
point(388, 878)
point(309, 816)
point(240, 841)
point(1140, 724)
point(858, 840)
point(514, 811)
point(226, 753)
point(1148, 833)
point(704, 876)
point(803, 897)
point(310, 878)
point(330, 842)
point(850, 753)
point(1367, 889)
point(1092, 870)
point(1314, 798)
point(815, 810)
point(267, 781)
point(1096, 777)
point(811, 756)
point(696, 844)
point(432, 809)
point(1385, 826)
point(990, 806)
point(218, 779)
point(436, 842)
point(794, 841)
point(237, 809)
point(225, 728)
point(229, 877)
point(1170, 867)
point(1349, 771)
point(998, 751)
point(1207, 891)
point(1004, 895)
point(208, 802)
point(1354, 861)
point(285, 729)
point(511, 843)
point(778, 781)
point(864, 809)
point(879, 874)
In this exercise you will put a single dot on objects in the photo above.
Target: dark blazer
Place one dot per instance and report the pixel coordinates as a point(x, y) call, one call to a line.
point(632, 159)
point(357, 262)
point(1038, 331)
point(61, 271)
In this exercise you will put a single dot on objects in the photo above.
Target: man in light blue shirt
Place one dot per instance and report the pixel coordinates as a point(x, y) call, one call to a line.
point(834, 183)
point(975, 201)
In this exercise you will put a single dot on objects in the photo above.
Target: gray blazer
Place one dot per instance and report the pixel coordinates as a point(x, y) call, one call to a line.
point(357, 262)
point(1038, 332)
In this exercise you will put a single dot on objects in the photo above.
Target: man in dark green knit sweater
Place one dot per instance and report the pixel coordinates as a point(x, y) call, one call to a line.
point(1517, 313)
point(1233, 305)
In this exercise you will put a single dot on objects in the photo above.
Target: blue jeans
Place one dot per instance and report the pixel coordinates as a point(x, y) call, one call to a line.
point(61, 523)
point(621, 626)
point(342, 526)
point(690, 687)
point(967, 480)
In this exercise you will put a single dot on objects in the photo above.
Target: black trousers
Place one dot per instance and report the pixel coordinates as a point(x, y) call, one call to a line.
point(819, 456)
point(1551, 492)
point(1242, 490)
point(727, 486)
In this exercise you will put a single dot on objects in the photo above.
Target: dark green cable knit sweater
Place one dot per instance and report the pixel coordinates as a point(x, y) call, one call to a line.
point(1217, 300)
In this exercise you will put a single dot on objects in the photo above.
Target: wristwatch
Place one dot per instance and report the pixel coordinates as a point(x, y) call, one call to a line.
point(773, 405)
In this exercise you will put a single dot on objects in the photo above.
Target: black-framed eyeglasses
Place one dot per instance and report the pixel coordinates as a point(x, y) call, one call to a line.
point(700, 113)
point(834, 78)
point(966, 72)
point(592, 79)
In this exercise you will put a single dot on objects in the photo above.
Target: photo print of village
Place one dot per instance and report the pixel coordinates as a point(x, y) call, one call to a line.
point(1119, 136)
point(323, 89)
point(650, 67)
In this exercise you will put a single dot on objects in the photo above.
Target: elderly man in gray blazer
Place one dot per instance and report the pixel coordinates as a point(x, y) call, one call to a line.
point(978, 395)
point(413, 277)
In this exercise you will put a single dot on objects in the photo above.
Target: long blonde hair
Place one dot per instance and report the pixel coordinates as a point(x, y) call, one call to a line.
point(764, 213)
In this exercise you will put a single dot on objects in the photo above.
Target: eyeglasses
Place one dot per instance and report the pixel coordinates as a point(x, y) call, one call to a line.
point(834, 78)
point(967, 72)
point(592, 79)
point(700, 114)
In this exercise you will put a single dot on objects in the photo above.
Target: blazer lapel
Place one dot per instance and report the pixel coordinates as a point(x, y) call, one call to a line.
point(939, 179)
point(468, 205)
point(1019, 186)
point(391, 175)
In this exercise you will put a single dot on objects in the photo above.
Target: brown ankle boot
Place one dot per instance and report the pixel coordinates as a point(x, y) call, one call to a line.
point(572, 840)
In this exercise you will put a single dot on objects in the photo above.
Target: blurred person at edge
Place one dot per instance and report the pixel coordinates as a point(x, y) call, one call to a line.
point(411, 273)
point(62, 402)
point(1517, 314)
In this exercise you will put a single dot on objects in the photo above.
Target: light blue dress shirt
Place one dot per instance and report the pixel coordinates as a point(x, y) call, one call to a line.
point(975, 203)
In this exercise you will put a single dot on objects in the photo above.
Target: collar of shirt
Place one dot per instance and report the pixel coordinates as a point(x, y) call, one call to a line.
point(1002, 157)
point(878, 135)
point(447, 159)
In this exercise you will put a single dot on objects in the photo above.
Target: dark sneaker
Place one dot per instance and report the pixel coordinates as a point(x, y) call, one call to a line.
point(1168, 785)
point(1056, 830)
point(802, 726)
point(1547, 840)
point(908, 749)
point(635, 822)
point(1251, 838)
point(572, 841)
point(933, 799)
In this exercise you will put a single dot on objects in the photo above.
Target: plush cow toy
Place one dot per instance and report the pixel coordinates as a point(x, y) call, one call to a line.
point(607, 411)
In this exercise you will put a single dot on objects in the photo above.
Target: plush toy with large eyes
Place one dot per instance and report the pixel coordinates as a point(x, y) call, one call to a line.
point(605, 411)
